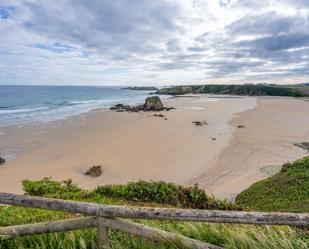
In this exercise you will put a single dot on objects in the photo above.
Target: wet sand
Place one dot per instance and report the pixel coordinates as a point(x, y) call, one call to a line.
point(222, 158)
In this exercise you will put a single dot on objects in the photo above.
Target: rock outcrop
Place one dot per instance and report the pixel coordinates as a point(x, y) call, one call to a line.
point(152, 103)
point(94, 171)
point(200, 123)
point(303, 145)
point(2, 161)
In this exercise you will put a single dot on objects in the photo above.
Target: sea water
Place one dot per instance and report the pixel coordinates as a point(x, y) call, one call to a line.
point(19, 104)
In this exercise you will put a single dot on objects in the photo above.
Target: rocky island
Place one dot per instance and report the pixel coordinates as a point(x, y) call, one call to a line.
point(141, 88)
point(152, 103)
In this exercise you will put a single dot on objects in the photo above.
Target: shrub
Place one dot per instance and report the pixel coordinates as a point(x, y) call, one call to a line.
point(165, 193)
point(49, 188)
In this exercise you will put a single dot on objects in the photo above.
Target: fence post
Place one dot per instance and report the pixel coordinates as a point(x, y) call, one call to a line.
point(103, 241)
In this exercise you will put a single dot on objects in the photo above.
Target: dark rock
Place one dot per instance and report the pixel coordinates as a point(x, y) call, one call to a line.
point(213, 138)
point(169, 108)
point(2, 161)
point(303, 145)
point(200, 123)
point(94, 171)
point(241, 126)
point(159, 115)
point(140, 107)
point(165, 119)
point(153, 103)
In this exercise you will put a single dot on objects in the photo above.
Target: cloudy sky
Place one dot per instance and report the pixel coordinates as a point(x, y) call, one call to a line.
point(143, 42)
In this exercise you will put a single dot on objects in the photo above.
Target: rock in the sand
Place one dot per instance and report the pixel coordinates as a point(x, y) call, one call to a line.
point(303, 145)
point(2, 161)
point(200, 123)
point(169, 108)
point(94, 171)
point(159, 115)
point(153, 103)
point(241, 126)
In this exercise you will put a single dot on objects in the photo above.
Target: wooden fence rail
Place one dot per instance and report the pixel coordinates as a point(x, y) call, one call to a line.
point(104, 217)
point(102, 224)
point(259, 218)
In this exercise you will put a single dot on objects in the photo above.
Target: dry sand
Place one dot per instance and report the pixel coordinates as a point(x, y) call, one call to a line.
point(133, 146)
point(259, 149)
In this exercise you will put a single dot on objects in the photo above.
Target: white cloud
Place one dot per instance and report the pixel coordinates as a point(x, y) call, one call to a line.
point(153, 42)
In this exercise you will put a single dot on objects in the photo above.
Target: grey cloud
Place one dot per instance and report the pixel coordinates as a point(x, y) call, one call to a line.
point(173, 45)
point(133, 26)
point(196, 49)
point(267, 23)
point(274, 43)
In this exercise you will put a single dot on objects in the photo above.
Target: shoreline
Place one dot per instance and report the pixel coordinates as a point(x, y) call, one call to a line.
point(134, 146)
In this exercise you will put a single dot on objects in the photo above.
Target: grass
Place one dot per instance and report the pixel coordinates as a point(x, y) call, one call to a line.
point(228, 236)
point(288, 190)
point(145, 194)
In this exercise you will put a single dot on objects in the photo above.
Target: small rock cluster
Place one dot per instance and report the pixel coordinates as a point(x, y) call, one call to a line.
point(303, 145)
point(94, 171)
point(159, 115)
point(200, 123)
point(2, 161)
point(152, 103)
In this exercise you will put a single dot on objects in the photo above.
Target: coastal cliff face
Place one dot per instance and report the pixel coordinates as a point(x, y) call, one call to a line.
point(247, 90)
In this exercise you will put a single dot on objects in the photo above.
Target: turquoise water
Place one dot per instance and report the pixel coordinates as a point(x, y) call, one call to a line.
point(19, 104)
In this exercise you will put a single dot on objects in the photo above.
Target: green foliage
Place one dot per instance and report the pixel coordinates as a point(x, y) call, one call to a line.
point(165, 193)
point(248, 90)
point(225, 235)
point(49, 188)
point(142, 191)
point(286, 191)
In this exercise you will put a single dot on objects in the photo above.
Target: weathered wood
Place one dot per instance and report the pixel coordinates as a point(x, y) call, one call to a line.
point(155, 234)
point(47, 227)
point(103, 240)
point(292, 219)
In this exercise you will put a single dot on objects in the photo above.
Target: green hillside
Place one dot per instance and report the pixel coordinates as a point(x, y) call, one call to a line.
point(288, 190)
point(246, 90)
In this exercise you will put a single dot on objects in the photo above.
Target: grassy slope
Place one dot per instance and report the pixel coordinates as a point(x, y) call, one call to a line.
point(149, 194)
point(286, 191)
point(247, 90)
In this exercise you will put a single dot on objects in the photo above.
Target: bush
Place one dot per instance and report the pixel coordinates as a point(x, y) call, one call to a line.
point(49, 188)
point(165, 193)
point(158, 192)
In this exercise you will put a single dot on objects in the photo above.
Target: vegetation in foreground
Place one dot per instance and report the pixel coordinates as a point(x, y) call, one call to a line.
point(247, 90)
point(288, 190)
point(153, 194)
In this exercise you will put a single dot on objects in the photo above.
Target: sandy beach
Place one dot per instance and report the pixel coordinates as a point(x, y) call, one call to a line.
point(221, 157)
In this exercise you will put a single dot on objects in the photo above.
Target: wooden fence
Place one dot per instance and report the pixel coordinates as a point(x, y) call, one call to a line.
point(105, 217)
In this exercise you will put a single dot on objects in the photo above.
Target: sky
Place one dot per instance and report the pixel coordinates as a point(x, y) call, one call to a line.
point(159, 42)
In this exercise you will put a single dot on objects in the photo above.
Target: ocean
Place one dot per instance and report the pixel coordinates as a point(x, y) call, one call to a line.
point(21, 104)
